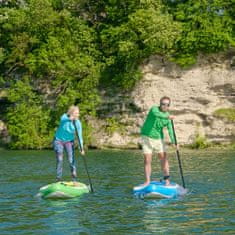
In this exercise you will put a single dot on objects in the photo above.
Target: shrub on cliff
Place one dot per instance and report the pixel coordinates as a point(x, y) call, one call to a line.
point(226, 113)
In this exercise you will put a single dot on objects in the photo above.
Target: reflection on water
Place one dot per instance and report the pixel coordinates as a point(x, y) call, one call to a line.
point(208, 208)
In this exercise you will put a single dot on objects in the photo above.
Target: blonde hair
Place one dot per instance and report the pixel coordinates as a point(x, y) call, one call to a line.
point(71, 109)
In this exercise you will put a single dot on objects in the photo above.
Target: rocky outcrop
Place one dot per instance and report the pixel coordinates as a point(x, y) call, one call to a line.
point(196, 93)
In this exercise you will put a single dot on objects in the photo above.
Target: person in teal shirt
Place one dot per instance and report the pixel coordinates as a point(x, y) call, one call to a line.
point(152, 139)
point(64, 139)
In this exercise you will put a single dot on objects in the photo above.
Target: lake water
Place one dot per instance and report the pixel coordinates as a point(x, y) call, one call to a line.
point(209, 207)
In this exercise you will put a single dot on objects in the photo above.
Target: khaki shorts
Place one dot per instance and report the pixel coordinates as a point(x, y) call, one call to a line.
point(150, 145)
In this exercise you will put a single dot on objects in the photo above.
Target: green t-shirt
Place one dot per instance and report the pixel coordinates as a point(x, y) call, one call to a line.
point(155, 122)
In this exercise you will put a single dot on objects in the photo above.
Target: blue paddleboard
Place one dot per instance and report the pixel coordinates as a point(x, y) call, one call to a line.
point(159, 190)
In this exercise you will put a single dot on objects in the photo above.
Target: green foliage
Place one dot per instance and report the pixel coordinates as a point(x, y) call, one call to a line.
point(145, 32)
point(27, 118)
point(207, 27)
point(227, 113)
point(113, 125)
point(55, 53)
point(233, 145)
point(200, 142)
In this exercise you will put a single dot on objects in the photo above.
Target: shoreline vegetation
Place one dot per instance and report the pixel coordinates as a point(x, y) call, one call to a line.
point(194, 146)
point(57, 53)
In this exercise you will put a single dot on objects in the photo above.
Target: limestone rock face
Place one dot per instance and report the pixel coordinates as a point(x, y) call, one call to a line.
point(196, 93)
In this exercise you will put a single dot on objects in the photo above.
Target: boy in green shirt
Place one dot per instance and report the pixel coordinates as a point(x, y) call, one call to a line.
point(153, 138)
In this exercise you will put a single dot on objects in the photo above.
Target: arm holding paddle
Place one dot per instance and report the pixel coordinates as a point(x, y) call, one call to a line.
point(178, 154)
point(78, 131)
point(171, 132)
point(78, 128)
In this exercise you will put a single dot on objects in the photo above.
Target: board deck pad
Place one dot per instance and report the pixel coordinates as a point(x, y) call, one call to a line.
point(63, 189)
point(158, 189)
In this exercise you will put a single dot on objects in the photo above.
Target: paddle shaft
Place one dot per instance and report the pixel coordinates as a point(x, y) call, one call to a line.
point(178, 155)
point(83, 157)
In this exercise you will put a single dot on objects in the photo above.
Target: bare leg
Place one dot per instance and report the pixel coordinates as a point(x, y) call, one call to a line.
point(147, 168)
point(164, 165)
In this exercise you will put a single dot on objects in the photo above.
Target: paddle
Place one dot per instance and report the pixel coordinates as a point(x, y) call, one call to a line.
point(83, 157)
point(178, 155)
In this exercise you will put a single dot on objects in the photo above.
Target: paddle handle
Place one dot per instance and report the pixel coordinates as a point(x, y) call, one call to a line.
point(178, 155)
point(83, 157)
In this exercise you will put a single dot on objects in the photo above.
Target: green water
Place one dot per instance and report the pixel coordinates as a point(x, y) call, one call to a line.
point(209, 208)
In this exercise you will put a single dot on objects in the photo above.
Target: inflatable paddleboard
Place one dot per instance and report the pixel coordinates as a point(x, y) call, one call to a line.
point(159, 190)
point(63, 190)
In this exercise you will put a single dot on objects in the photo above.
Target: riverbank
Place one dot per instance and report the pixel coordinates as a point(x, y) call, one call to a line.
point(170, 148)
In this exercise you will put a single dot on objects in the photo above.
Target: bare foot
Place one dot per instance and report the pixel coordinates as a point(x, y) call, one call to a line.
point(167, 182)
point(75, 183)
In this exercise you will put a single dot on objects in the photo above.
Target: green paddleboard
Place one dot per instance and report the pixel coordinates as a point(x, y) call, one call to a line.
point(63, 190)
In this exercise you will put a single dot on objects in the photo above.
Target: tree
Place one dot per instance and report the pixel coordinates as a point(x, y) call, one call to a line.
point(207, 28)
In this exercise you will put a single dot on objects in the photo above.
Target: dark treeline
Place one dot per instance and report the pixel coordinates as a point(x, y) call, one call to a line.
point(54, 53)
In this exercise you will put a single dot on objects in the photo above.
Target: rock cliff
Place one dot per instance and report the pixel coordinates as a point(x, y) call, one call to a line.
point(196, 93)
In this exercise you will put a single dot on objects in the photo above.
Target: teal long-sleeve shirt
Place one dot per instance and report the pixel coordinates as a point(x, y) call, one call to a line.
point(155, 122)
point(66, 129)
